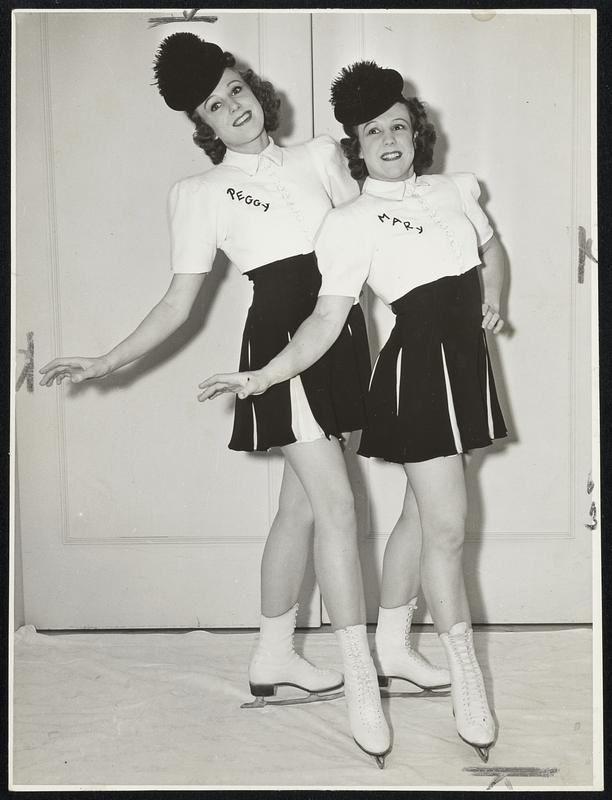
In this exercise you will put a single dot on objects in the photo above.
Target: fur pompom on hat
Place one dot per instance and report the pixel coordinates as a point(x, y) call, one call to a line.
point(187, 69)
point(363, 90)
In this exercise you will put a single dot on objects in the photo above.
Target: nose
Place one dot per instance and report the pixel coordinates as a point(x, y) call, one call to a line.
point(389, 137)
point(234, 104)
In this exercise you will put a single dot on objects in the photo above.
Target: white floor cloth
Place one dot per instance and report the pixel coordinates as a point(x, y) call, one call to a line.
point(163, 709)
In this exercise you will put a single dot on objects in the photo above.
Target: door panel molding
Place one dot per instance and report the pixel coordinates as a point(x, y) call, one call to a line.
point(523, 552)
point(154, 580)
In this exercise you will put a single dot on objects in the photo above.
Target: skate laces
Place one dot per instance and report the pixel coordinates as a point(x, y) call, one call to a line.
point(407, 626)
point(412, 654)
point(472, 689)
point(366, 694)
point(292, 640)
point(282, 652)
point(295, 657)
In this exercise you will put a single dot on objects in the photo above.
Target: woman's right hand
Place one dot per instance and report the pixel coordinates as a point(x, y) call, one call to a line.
point(243, 384)
point(76, 369)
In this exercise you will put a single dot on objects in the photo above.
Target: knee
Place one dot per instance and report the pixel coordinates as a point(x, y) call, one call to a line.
point(338, 513)
point(444, 535)
point(298, 511)
point(408, 524)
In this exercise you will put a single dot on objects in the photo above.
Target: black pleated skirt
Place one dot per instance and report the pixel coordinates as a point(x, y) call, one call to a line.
point(432, 391)
point(284, 295)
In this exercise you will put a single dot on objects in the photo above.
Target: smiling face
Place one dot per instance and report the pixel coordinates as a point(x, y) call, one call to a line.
point(235, 114)
point(386, 144)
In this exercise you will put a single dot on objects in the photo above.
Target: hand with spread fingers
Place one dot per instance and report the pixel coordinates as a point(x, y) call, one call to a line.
point(76, 369)
point(243, 384)
point(491, 319)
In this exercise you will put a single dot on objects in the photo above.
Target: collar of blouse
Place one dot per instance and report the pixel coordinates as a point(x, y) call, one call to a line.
point(393, 190)
point(250, 162)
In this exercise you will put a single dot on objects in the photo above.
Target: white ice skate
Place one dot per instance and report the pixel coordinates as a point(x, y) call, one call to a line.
point(473, 718)
point(367, 721)
point(275, 663)
point(396, 658)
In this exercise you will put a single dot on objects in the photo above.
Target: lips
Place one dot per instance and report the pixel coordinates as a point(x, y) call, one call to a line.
point(392, 155)
point(242, 119)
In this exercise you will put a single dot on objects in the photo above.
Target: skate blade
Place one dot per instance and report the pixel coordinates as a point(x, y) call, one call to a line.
point(481, 749)
point(312, 697)
point(423, 691)
point(483, 752)
point(379, 758)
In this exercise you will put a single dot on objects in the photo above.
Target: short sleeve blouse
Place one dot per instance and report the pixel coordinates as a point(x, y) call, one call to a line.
point(402, 234)
point(257, 208)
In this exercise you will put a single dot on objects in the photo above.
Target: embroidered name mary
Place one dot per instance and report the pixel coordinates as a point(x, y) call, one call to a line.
point(248, 199)
point(394, 221)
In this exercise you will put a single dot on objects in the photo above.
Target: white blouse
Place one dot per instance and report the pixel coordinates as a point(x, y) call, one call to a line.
point(401, 234)
point(257, 208)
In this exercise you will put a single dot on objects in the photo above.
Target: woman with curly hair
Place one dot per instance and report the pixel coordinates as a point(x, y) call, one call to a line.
point(262, 205)
point(417, 240)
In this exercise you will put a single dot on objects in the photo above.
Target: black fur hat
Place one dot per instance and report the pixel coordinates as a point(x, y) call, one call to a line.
point(363, 90)
point(187, 69)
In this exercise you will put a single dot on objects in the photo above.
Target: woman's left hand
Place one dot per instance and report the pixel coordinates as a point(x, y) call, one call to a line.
point(491, 320)
point(243, 384)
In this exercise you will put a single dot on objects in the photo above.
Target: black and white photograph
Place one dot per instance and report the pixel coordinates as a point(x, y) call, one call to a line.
point(305, 480)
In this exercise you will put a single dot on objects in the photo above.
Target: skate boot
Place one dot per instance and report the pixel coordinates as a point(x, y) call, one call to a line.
point(275, 663)
point(473, 718)
point(396, 658)
point(367, 721)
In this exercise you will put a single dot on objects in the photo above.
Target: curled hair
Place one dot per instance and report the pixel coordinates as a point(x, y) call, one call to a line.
point(423, 132)
point(264, 91)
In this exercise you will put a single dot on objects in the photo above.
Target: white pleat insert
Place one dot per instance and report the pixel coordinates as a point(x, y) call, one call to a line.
point(252, 403)
point(451, 405)
point(489, 411)
point(398, 372)
point(373, 371)
point(254, 426)
point(303, 424)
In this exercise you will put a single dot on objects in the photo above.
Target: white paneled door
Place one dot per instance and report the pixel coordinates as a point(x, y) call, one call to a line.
point(510, 97)
point(133, 511)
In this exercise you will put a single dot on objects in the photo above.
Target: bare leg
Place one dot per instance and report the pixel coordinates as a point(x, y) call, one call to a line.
point(283, 564)
point(395, 653)
point(286, 552)
point(439, 488)
point(401, 563)
point(322, 471)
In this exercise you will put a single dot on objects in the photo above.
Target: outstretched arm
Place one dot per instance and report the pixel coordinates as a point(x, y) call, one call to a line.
point(312, 339)
point(493, 275)
point(165, 318)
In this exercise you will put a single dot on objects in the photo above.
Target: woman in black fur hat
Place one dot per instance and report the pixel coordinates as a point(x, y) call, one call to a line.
point(262, 205)
point(417, 240)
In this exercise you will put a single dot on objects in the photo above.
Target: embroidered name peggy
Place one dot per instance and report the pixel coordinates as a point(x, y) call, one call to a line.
point(237, 194)
point(257, 208)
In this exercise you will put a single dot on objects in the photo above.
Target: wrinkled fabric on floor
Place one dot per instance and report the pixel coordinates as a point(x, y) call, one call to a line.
point(163, 709)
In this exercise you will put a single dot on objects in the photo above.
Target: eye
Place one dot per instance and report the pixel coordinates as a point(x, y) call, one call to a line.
point(215, 106)
point(236, 89)
point(371, 130)
point(399, 126)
